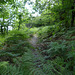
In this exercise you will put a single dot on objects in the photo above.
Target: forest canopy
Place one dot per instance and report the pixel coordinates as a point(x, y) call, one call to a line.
point(52, 12)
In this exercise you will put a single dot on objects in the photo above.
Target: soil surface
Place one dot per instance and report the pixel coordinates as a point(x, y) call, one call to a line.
point(33, 41)
point(36, 53)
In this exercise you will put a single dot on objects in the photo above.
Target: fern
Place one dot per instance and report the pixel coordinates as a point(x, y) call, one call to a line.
point(56, 49)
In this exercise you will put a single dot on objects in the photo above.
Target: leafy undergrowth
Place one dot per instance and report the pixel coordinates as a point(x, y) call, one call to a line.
point(15, 54)
point(14, 45)
point(57, 54)
point(59, 49)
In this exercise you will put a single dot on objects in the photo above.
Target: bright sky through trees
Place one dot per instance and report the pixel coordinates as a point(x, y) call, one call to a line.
point(30, 8)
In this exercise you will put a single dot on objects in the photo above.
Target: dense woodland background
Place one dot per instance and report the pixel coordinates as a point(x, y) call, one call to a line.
point(37, 45)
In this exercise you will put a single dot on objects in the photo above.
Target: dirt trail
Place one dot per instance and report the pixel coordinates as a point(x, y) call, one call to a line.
point(37, 55)
point(33, 41)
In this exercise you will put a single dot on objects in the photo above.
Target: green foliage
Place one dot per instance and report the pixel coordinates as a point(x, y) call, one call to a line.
point(62, 55)
point(22, 65)
point(33, 30)
point(58, 58)
point(6, 69)
point(70, 34)
point(22, 34)
point(56, 49)
point(16, 54)
point(3, 67)
point(4, 1)
point(14, 45)
point(44, 32)
point(48, 31)
point(2, 39)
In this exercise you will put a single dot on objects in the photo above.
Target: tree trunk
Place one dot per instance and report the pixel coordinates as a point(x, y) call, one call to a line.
point(73, 14)
point(19, 22)
point(7, 29)
point(3, 21)
point(1, 29)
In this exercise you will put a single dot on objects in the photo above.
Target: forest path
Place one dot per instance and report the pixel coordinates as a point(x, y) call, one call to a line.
point(38, 58)
point(33, 41)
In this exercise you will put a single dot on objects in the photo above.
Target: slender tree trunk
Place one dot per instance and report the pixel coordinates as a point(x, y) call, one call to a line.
point(1, 29)
point(7, 29)
point(73, 14)
point(3, 21)
point(2, 25)
point(19, 22)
